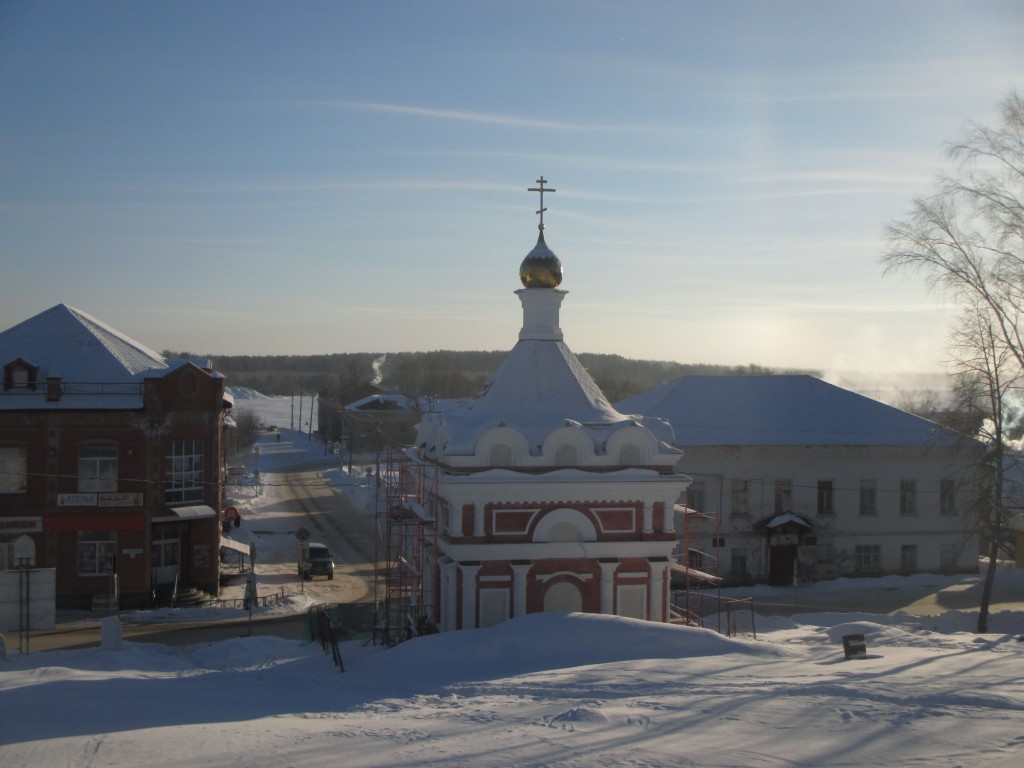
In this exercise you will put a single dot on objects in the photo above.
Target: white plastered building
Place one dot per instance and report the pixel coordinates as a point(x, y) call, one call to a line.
point(793, 472)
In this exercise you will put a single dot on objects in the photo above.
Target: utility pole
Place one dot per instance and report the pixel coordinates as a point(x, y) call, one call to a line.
point(312, 402)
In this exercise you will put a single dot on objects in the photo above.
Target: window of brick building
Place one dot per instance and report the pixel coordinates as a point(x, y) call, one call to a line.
point(184, 479)
point(97, 468)
point(95, 548)
point(13, 468)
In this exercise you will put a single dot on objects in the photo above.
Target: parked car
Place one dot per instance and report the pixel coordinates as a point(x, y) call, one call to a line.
point(315, 559)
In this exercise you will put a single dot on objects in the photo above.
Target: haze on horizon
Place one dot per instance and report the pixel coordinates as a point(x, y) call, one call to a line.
point(310, 178)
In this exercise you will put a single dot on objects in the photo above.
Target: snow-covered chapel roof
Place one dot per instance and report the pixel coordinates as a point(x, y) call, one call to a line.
point(780, 410)
point(540, 386)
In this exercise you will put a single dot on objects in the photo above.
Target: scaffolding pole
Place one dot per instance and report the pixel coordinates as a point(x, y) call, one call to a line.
point(404, 530)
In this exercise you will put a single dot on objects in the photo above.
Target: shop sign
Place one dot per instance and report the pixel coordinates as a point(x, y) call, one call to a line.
point(21, 525)
point(120, 500)
point(99, 499)
point(76, 499)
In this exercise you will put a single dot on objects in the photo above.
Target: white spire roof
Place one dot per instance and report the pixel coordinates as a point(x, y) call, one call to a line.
point(540, 386)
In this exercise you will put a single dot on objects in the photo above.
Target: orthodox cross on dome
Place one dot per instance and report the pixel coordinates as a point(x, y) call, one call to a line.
point(540, 188)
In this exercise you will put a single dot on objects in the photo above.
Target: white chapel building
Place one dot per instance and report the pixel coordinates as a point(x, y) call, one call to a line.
point(545, 497)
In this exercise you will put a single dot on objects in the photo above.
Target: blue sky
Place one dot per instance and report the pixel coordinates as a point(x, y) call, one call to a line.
point(295, 178)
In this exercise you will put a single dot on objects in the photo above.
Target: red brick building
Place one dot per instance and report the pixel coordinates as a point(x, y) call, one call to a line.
point(111, 459)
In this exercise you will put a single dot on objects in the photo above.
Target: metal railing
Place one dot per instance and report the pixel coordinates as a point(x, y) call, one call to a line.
point(321, 629)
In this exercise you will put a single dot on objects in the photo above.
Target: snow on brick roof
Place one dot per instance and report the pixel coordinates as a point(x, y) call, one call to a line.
point(780, 410)
point(67, 343)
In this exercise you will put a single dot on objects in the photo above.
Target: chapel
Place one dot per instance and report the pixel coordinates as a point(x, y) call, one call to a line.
point(543, 497)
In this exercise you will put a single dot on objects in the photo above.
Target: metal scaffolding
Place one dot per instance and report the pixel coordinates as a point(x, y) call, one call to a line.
point(702, 584)
point(405, 531)
point(699, 568)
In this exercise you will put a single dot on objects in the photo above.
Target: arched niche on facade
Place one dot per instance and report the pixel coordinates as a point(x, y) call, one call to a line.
point(564, 525)
point(563, 596)
point(568, 447)
point(501, 447)
point(632, 446)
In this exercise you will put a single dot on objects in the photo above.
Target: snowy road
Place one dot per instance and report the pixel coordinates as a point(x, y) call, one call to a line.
point(293, 492)
point(301, 499)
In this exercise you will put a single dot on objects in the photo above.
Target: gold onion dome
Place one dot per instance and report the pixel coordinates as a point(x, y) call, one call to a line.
point(541, 268)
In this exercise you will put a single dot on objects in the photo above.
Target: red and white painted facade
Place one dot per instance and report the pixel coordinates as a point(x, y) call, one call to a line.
point(544, 497)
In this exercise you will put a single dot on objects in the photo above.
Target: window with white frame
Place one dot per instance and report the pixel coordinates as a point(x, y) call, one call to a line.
point(184, 479)
point(738, 497)
point(908, 557)
point(825, 497)
point(13, 468)
point(97, 468)
point(908, 497)
point(738, 562)
point(947, 497)
point(695, 559)
point(867, 557)
point(948, 554)
point(869, 497)
point(94, 550)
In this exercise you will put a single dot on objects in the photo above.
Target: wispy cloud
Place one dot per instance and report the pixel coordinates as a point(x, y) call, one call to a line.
point(762, 308)
point(917, 80)
point(486, 118)
point(839, 175)
point(592, 162)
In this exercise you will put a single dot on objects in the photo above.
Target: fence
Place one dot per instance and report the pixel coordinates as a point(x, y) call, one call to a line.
point(260, 601)
point(737, 613)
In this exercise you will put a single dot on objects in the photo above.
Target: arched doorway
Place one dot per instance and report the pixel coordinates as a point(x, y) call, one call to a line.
point(563, 596)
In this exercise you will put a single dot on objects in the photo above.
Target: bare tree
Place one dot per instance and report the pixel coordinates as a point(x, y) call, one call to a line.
point(988, 377)
point(967, 240)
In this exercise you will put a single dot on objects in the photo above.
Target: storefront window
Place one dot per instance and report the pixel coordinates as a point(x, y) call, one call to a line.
point(95, 551)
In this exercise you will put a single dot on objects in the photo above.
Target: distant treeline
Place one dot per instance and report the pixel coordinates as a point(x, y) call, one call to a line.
point(441, 374)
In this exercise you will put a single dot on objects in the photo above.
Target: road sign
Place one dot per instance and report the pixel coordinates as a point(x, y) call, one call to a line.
point(25, 551)
point(302, 534)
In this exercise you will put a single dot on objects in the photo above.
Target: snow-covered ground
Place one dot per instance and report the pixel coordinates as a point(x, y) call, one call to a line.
point(543, 690)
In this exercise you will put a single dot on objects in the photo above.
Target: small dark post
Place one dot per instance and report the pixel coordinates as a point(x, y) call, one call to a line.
point(855, 647)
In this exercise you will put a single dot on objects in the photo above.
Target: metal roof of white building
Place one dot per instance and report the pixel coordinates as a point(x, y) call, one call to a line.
point(780, 410)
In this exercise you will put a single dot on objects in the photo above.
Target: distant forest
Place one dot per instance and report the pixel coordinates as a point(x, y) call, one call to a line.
point(441, 374)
